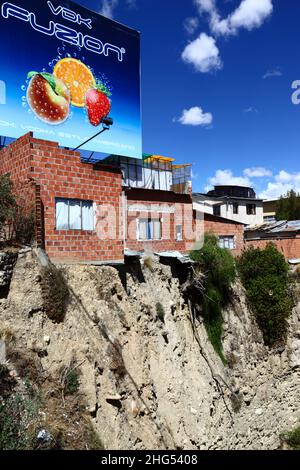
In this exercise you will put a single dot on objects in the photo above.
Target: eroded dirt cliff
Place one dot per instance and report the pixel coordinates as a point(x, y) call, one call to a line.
point(148, 375)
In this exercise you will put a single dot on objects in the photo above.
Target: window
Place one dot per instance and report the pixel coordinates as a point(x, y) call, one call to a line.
point(217, 211)
point(179, 232)
point(73, 214)
point(149, 229)
point(227, 241)
point(251, 209)
point(235, 208)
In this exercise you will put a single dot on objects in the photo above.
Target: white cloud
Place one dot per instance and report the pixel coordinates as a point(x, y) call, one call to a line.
point(191, 24)
point(195, 117)
point(203, 54)
point(257, 172)
point(108, 7)
point(272, 73)
point(195, 176)
point(226, 177)
point(275, 190)
point(251, 109)
point(249, 14)
point(278, 186)
point(285, 177)
point(206, 6)
point(283, 182)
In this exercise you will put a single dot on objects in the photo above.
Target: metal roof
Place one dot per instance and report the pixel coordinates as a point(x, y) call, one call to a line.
point(275, 227)
point(184, 259)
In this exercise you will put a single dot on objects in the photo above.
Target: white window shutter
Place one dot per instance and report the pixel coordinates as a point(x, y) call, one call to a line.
point(74, 215)
point(62, 221)
point(87, 216)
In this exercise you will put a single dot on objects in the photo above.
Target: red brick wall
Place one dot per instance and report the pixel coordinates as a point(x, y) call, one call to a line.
point(16, 160)
point(289, 247)
point(181, 213)
point(60, 173)
point(221, 227)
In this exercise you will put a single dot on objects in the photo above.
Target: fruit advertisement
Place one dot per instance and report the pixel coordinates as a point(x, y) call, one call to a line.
point(67, 72)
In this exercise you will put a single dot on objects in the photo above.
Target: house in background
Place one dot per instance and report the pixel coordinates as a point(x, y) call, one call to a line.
point(270, 210)
point(284, 234)
point(229, 232)
point(236, 203)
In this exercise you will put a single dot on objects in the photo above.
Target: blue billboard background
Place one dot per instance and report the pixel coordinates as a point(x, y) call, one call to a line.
point(35, 36)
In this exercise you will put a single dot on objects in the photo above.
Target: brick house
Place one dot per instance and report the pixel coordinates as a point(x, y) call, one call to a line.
point(86, 211)
point(66, 196)
point(163, 224)
point(158, 203)
point(284, 234)
point(229, 232)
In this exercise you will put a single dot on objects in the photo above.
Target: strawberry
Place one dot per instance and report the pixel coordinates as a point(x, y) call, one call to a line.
point(97, 103)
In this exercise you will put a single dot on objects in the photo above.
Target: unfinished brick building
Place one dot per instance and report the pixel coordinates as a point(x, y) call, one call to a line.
point(64, 186)
point(159, 221)
point(90, 211)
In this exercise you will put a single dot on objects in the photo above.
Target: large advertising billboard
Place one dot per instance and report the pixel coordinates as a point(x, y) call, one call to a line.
point(63, 70)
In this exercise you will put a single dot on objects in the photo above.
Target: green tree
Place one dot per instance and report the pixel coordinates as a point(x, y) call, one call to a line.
point(218, 265)
point(7, 200)
point(264, 274)
point(288, 206)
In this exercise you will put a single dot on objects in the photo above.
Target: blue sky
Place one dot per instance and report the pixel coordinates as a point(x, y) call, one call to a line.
point(217, 85)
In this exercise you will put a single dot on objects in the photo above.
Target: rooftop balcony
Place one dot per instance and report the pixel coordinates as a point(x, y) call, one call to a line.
point(152, 172)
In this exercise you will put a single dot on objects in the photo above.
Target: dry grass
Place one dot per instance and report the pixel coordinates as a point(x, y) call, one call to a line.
point(26, 364)
point(232, 359)
point(116, 361)
point(7, 383)
point(50, 403)
point(55, 293)
point(8, 336)
point(148, 262)
point(236, 402)
point(69, 378)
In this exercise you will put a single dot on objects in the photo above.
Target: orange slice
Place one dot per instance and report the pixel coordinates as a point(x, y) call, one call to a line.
point(78, 78)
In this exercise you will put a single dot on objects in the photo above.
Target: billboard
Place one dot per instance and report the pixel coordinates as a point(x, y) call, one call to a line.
point(63, 70)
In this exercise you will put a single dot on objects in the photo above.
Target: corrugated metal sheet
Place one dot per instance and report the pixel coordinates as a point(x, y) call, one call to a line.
point(175, 254)
point(275, 227)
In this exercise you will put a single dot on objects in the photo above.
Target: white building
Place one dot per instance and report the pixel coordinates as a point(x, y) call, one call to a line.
point(231, 202)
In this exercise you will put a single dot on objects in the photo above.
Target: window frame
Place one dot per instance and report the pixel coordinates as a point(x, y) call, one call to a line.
point(179, 238)
point(74, 200)
point(227, 238)
point(217, 208)
point(251, 209)
point(235, 208)
point(150, 221)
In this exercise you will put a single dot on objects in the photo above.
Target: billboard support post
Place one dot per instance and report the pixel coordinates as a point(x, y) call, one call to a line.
point(91, 138)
